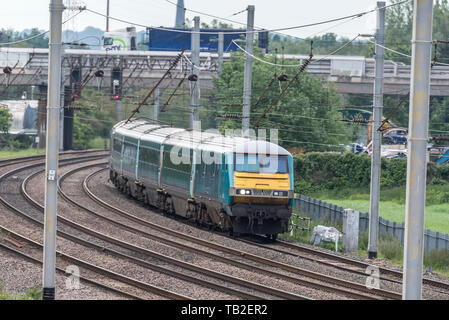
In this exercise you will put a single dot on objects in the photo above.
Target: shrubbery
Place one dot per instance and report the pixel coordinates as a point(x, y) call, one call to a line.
point(315, 172)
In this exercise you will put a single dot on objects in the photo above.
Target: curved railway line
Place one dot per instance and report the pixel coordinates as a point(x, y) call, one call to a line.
point(297, 250)
point(268, 291)
point(89, 207)
point(111, 279)
point(126, 245)
point(340, 286)
point(341, 262)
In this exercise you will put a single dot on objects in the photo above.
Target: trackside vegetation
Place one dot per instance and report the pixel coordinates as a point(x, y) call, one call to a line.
point(30, 294)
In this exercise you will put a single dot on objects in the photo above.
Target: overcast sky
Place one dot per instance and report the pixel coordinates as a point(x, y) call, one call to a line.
point(25, 14)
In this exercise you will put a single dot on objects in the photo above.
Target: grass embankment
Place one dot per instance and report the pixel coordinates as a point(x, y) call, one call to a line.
point(30, 294)
point(388, 247)
point(392, 204)
point(392, 207)
point(96, 143)
point(4, 154)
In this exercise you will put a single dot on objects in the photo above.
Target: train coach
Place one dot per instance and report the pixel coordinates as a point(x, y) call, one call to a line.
point(238, 185)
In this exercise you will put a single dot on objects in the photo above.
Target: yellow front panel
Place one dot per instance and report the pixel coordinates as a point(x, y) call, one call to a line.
point(248, 180)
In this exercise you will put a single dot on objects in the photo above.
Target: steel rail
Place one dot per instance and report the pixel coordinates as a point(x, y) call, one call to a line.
point(241, 254)
point(122, 278)
point(347, 267)
point(39, 262)
point(110, 274)
point(360, 264)
point(140, 262)
point(11, 161)
point(235, 280)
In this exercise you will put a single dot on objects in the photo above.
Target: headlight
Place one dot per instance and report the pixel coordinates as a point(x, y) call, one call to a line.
point(280, 193)
point(243, 192)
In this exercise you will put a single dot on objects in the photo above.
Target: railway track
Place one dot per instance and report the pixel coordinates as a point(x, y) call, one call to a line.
point(307, 278)
point(339, 286)
point(339, 261)
point(274, 293)
point(108, 275)
point(97, 272)
point(319, 256)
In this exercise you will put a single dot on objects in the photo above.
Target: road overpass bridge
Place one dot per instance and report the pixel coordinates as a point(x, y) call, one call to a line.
point(142, 69)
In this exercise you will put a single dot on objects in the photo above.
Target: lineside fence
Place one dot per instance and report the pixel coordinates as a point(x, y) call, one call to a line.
point(322, 210)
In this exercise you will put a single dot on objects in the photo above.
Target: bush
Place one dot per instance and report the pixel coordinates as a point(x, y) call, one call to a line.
point(363, 240)
point(317, 172)
point(438, 259)
point(390, 247)
point(21, 141)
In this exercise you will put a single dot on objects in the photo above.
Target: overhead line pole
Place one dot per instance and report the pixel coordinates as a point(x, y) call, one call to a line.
point(156, 105)
point(247, 80)
point(52, 152)
point(220, 51)
point(195, 92)
point(107, 16)
point(376, 134)
point(417, 149)
point(173, 65)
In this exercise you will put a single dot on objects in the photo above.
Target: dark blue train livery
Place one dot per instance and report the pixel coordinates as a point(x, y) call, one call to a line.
point(164, 40)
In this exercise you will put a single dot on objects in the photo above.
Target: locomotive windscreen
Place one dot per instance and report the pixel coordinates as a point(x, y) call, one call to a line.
point(261, 163)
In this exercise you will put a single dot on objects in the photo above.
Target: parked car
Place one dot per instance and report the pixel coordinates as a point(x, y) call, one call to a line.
point(396, 136)
point(356, 148)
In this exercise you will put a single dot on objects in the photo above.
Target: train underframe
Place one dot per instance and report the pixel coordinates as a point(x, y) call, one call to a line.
point(266, 219)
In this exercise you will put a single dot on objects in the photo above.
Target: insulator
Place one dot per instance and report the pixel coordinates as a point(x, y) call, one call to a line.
point(7, 70)
point(99, 73)
point(283, 77)
point(193, 77)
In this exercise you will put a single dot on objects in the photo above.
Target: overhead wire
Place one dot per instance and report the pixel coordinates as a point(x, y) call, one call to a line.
point(252, 31)
point(40, 34)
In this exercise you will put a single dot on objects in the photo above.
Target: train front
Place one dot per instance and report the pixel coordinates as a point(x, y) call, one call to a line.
point(261, 188)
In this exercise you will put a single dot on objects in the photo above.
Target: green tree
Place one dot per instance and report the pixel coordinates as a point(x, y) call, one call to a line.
point(35, 36)
point(5, 124)
point(322, 45)
point(306, 115)
point(5, 119)
point(398, 31)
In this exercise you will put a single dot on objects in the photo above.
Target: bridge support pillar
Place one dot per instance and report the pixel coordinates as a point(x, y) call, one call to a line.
point(350, 230)
point(68, 120)
point(42, 116)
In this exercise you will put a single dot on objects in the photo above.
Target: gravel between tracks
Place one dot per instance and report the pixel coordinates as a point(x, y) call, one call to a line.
point(19, 275)
point(72, 185)
point(122, 266)
point(100, 185)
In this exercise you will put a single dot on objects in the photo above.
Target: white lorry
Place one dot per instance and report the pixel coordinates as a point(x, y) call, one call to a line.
point(120, 40)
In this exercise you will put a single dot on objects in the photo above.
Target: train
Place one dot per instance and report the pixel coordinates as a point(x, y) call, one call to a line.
point(233, 184)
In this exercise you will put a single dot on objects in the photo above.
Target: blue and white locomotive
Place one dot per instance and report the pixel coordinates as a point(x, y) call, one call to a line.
point(237, 184)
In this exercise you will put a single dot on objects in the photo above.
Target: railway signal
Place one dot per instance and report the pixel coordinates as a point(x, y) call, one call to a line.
point(116, 83)
point(75, 82)
point(116, 90)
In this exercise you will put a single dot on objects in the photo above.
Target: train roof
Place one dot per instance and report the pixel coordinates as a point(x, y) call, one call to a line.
point(210, 140)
